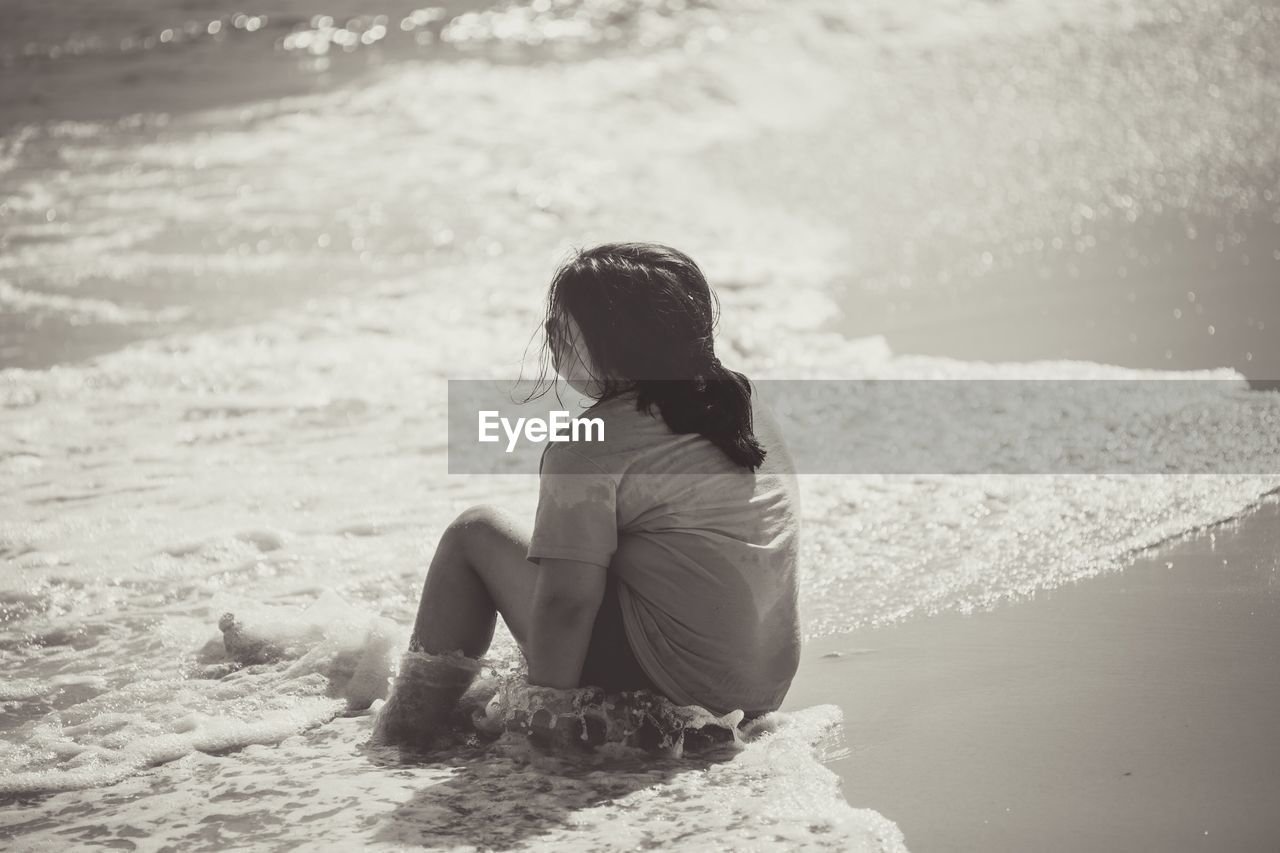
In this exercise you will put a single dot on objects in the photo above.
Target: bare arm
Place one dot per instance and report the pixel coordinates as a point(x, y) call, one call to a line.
point(566, 598)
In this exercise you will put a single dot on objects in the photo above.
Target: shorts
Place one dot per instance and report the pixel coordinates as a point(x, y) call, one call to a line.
point(610, 663)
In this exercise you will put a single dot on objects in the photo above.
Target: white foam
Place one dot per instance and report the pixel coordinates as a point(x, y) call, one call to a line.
point(81, 309)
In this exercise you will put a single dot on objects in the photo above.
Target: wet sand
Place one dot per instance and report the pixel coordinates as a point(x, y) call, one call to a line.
point(1134, 711)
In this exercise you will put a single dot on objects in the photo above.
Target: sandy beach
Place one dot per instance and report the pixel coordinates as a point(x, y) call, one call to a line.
point(1131, 711)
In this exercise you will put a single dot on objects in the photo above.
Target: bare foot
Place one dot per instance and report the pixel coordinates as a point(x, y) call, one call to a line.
point(422, 700)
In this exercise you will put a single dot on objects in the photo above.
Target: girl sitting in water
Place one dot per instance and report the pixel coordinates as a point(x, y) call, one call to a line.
point(662, 558)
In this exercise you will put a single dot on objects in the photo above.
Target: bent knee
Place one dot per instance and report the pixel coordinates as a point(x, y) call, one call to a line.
point(473, 526)
point(477, 518)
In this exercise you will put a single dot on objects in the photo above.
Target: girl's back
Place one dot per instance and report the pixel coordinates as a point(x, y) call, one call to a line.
point(704, 551)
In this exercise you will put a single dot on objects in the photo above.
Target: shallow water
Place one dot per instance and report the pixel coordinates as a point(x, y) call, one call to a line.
point(299, 278)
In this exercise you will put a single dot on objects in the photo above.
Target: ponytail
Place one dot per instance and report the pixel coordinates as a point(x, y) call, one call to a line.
point(715, 405)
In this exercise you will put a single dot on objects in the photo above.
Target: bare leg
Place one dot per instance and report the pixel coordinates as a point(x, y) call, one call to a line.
point(479, 570)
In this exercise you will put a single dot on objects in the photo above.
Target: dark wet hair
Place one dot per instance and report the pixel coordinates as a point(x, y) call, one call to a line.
point(647, 317)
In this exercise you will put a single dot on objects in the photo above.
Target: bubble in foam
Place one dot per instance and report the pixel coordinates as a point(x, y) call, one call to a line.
point(19, 689)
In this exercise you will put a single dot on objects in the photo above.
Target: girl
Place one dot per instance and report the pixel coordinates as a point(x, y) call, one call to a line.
point(662, 558)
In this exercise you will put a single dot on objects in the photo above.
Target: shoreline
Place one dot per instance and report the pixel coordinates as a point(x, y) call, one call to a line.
point(1132, 710)
point(1200, 296)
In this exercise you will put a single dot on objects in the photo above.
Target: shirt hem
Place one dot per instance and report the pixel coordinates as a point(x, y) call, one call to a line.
point(582, 556)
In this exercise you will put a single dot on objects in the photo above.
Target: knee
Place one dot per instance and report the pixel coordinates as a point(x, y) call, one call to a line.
point(478, 517)
point(472, 524)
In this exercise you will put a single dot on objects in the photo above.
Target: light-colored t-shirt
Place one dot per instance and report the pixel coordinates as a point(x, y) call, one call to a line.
point(704, 551)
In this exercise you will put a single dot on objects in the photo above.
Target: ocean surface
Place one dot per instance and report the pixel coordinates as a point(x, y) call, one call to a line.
point(242, 250)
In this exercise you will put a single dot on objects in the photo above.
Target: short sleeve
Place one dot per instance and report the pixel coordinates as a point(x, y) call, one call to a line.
point(577, 515)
